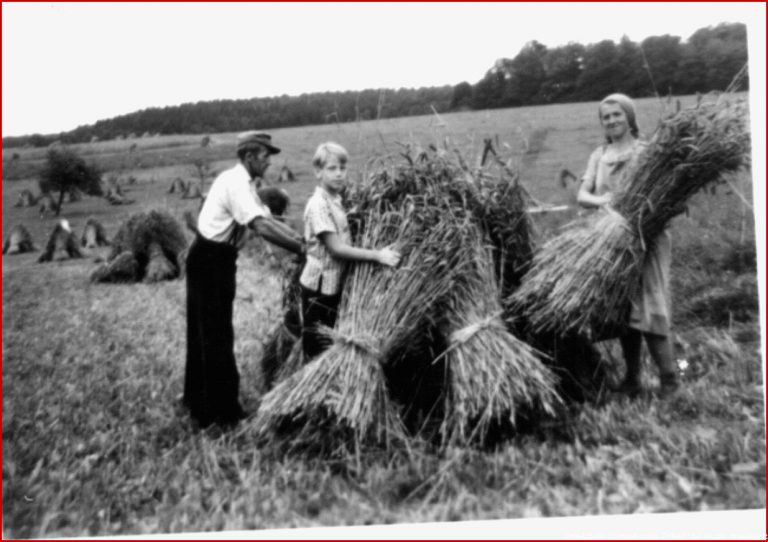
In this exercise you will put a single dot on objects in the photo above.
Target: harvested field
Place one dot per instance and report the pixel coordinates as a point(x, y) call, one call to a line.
point(94, 444)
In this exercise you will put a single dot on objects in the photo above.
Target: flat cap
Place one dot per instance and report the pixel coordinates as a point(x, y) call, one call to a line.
point(253, 137)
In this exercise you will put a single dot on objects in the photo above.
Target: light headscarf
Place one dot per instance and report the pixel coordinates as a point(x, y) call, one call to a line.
point(627, 105)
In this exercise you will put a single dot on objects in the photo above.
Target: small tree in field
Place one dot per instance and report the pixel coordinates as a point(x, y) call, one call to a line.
point(66, 172)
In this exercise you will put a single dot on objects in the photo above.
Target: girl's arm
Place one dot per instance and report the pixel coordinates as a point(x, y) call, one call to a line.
point(342, 251)
point(586, 198)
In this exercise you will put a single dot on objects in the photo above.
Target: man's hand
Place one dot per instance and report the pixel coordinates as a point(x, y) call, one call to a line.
point(278, 233)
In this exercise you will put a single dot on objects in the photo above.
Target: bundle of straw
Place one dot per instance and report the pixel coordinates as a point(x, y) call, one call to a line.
point(499, 206)
point(285, 333)
point(293, 360)
point(583, 280)
point(424, 345)
point(689, 151)
point(276, 349)
point(124, 268)
point(159, 267)
point(379, 312)
point(424, 180)
point(147, 235)
point(491, 192)
point(490, 371)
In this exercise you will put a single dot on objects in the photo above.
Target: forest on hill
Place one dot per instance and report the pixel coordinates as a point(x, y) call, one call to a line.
point(707, 61)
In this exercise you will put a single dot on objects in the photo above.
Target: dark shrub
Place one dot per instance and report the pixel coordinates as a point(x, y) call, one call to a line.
point(65, 173)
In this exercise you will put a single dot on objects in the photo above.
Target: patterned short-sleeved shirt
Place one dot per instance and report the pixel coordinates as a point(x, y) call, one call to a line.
point(232, 203)
point(323, 213)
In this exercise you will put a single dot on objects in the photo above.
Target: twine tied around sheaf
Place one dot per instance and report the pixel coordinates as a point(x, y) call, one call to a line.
point(465, 333)
point(363, 341)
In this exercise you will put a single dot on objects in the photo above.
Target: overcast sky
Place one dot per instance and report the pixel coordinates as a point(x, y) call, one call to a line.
point(65, 65)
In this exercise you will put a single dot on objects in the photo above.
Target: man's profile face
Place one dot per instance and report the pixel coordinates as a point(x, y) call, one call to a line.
point(257, 162)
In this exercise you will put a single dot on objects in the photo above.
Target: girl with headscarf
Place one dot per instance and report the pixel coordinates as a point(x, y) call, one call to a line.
point(650, 311)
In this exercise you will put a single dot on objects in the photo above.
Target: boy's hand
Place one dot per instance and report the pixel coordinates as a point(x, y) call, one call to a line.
point(388, 257)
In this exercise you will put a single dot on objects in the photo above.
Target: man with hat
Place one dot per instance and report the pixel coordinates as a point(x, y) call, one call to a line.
point(211, 382)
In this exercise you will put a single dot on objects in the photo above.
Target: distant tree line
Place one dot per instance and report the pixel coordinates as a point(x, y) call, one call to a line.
point(708, 61)
point(537, 75)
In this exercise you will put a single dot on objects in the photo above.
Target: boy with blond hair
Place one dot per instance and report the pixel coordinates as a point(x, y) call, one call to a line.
point(329, 249)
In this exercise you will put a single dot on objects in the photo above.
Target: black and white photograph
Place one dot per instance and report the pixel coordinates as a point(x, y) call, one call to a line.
point(383, 270)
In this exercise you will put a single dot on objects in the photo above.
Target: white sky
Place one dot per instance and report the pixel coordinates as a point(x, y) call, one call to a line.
point(65, 65)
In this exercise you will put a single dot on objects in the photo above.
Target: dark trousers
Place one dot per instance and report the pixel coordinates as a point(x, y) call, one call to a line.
point(316, 309)
point(211, 380)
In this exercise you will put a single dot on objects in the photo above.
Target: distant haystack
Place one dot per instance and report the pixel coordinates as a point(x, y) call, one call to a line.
point(113, 186)
point(124, 268)
point(193, 192)
point(94, 235)
point(26, 199)
point(47, 205)
point(154, 240)
point(159, 266)
point(276, 199)
point(140, 230)
point(178, 186)
point(19, 241)
point(566, 175)
point(116, 199)
point(286, 175)
point(114, 193)
point(61, 244)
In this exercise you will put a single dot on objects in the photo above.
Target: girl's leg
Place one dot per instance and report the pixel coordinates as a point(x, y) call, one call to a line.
point(631, 345)
point(660, 348)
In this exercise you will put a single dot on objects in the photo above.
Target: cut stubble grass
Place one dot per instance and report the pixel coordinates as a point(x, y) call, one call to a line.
point(96, 445)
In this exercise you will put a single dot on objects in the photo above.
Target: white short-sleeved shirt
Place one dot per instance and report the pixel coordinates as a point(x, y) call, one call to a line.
point(231, 204)
point(323, 213)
